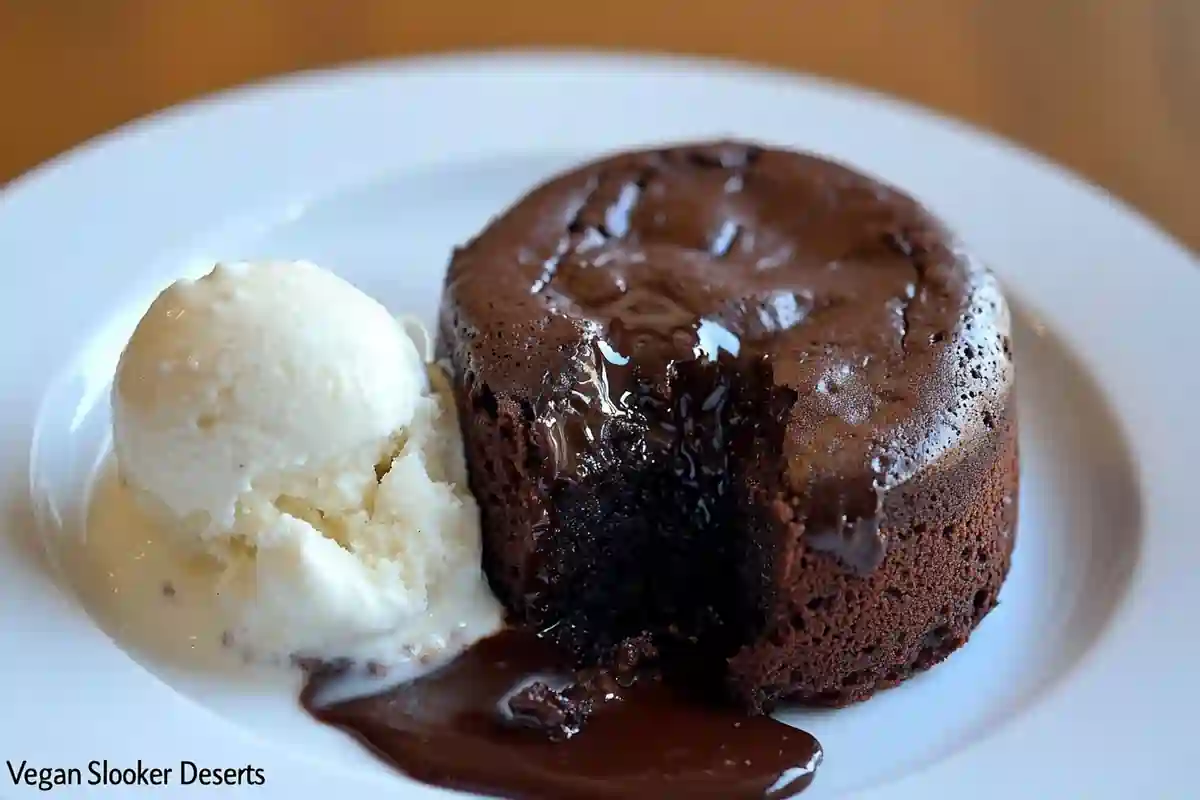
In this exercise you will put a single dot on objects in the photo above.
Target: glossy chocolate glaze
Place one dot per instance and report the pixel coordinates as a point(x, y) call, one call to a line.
point(508, 718)
point(856, 306)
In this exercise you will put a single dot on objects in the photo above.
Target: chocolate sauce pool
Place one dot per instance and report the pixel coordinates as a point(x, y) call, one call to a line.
point(507, 719)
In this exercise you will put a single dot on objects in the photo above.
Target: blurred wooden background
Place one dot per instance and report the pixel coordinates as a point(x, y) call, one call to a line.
point(1108, 87)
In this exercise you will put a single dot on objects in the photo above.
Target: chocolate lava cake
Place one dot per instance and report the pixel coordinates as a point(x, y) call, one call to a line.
point(745, 405)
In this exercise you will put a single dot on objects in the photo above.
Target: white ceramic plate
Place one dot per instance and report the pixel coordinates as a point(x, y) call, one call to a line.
point(1079, 685)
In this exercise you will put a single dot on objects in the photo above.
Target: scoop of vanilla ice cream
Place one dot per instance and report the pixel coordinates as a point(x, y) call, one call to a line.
point(274, 416)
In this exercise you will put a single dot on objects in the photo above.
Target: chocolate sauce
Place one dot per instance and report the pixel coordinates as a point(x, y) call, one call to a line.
point(508, 719)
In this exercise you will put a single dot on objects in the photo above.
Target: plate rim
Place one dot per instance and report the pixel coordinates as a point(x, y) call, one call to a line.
point(252, 90)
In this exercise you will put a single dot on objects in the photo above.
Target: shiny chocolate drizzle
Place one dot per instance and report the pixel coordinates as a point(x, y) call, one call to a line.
point(509, 718)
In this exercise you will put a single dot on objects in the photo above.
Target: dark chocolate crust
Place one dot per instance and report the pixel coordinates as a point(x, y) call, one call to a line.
point(748, 402)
